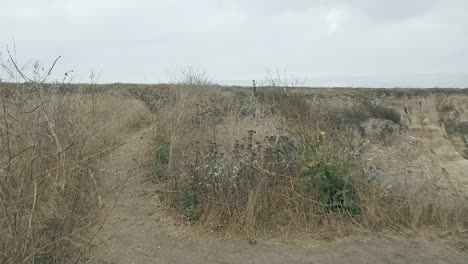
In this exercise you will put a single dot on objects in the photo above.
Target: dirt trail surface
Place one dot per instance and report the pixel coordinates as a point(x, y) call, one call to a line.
point(135, 231)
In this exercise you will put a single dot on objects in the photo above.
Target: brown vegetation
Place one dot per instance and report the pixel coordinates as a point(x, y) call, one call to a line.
point(274, 162)
point(52, 137)
point(280, 162)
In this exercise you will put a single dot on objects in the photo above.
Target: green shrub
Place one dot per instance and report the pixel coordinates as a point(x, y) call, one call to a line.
point(452, 125)
point(329, 176)
point(161, 157)
point(335, 188)
point(447, 108)
point(189, 203)
point(385, 113)
point(463, 128)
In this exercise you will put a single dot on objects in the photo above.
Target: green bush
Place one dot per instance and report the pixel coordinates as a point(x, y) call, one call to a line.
point(385, 113)
point(463, 128)
point(189, 204)
point(452, 125)
point(329, 176)
point(161, 157)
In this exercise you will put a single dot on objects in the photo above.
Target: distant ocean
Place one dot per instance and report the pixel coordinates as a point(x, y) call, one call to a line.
point(458, 80)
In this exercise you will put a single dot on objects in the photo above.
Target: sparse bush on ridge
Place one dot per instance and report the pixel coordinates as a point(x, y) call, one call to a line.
point(194, 78)
point(413, 92)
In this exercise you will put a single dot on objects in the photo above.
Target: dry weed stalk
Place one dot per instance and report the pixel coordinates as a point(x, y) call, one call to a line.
point(52, 136)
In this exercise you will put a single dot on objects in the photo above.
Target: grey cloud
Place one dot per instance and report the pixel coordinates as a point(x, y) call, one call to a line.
point(149, 41)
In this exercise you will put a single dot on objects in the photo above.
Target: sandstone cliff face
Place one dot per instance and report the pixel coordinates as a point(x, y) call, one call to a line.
point(430, 148)
point(437, 118)
point(423, 154)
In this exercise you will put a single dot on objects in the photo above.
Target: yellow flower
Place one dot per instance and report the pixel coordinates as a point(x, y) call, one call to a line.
point(311, 164)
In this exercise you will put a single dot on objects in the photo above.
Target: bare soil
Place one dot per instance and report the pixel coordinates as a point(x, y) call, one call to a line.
point(137, 231)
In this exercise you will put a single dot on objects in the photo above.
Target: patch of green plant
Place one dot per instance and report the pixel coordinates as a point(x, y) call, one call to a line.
point(161, 157)
point(454, 126)
point(447, 108)
point(188, 201)
point(450, 125)
point(385, 113)
point(46, 259)
point(329, 176)
point(463, 128)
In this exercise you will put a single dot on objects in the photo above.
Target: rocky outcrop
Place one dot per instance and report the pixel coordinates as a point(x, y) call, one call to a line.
point(430, 148)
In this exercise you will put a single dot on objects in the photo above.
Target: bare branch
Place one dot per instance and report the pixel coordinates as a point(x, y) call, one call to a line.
point(13, 61)
point(194, 77)
point(50, 69)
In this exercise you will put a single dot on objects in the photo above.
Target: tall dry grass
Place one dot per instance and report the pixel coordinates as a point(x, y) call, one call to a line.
point(271, 162)
point(52, 138)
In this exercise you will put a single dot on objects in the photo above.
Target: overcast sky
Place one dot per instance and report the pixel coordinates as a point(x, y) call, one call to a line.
point(336, 42)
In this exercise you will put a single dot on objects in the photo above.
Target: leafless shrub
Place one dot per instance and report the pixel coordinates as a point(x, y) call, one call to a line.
point(194, 78)
point(279, 79)
point(49, 174)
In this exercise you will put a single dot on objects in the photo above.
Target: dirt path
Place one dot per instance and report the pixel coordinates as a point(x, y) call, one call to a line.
point(135, 233)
